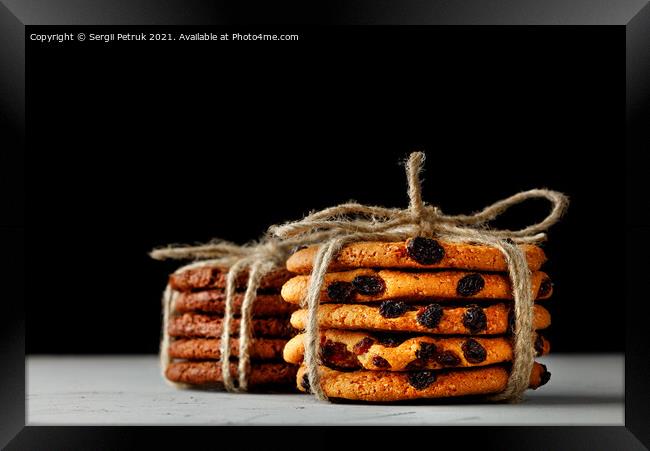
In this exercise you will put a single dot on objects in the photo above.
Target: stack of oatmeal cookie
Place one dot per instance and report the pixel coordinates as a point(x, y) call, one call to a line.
point(195, 328)
point(415, 319)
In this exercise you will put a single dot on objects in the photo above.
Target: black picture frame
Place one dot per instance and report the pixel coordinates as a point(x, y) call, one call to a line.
point(632, 18)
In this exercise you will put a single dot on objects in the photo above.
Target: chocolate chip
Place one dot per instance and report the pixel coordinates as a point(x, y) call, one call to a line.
point(336, 354)
point(427, 351)
point(545, 287)
point(424, 250)
point(391, 340)
point(470, 285)
point(305, 383)
point(448, 358)
point(509, 241)
point(369, 285)
point(380, 362)
point(415, 365)
point(392, 309)
point(473, 351)
point(546, 376)
point(330, 349)
point(363, 345)
point(421, 379)
point(340, 291)
point(475, 319)
point(430, 316)
point(539, 346)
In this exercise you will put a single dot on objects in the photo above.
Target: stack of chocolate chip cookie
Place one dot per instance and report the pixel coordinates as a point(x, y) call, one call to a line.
point(415, 319)
point(195, 328)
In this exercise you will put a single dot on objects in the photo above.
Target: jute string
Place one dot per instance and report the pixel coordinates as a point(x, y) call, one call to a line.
point(352, 222)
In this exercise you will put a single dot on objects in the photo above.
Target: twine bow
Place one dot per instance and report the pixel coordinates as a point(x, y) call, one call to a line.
point(352, 222)
point(260, 259)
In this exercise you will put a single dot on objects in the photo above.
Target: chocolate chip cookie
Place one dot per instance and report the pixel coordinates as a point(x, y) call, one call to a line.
point(415, 253)
point(368, 285)
point(386, 386)
point(430, 318)
point(351, 350)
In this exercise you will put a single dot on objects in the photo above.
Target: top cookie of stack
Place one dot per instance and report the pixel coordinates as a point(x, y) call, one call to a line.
point(450, 304)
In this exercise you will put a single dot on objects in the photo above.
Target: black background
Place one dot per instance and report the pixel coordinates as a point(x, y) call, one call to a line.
point(136, 145)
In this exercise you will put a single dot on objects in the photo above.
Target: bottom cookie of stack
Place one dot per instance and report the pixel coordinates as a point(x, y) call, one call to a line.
point(208, 374)
point(387, 386)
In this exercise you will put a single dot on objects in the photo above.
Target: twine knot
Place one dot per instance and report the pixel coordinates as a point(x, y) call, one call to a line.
point(353, 220)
